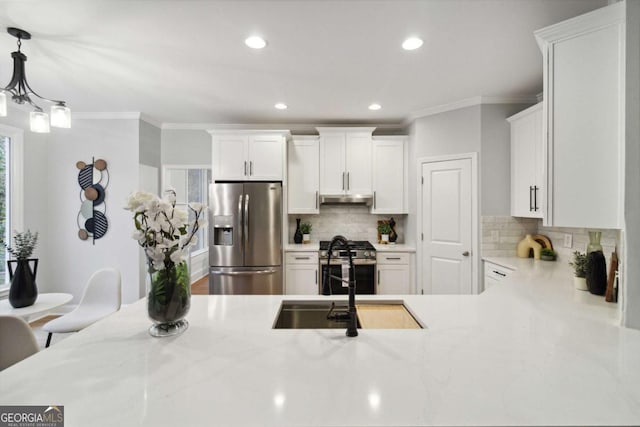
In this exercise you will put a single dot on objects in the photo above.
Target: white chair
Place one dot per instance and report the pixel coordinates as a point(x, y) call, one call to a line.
point(102, 296)
point(17, 341)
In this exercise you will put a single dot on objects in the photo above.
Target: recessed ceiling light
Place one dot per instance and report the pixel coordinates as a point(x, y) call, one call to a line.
point(375, 107)
point(281, 106)
point(412, 43)
point(255, 42)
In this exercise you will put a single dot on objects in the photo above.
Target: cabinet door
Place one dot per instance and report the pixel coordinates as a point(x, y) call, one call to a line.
point(332, 164)
point(393, 279)
point(526, 159)
point(230, 158)
point(303, 162)
point(358, 163)
point(302, 279)
point(584, 87)
point(265, 157)
point(388, 177)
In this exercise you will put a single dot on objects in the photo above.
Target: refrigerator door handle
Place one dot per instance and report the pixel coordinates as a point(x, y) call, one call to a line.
point(246, 222)
point(240, 223)
point(242, 273)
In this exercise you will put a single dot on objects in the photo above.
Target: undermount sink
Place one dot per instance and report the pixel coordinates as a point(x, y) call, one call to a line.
point(372, 314)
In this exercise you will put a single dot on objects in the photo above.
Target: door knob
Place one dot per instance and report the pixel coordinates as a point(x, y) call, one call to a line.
point(465, 253)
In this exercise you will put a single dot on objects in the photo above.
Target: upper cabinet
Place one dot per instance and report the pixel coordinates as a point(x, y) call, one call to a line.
point(389, 175)
point(527, 163)
point(248, 155)
point(303, 172)
point(345, 161)
point(583, 118)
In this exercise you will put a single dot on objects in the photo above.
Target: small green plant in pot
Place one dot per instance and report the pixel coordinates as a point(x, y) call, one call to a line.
point(547, 254)
point(384, 229)
point(23, 291)
point(579, 264)
point(305, 229)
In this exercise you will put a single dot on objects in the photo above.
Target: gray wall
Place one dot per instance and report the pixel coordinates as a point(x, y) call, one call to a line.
point(630, 265)
point(186, 147)
point(150, 149)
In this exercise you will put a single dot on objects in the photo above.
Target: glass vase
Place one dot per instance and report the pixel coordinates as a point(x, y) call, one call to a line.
point(169, 299)
point(594, 241)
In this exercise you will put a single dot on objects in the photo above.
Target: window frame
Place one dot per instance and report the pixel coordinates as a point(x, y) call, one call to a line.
point(165, 170)
point(15, 184)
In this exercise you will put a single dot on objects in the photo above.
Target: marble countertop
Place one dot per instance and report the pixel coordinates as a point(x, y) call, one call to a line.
point(397, 247)
point(529, 351)
point(302, 247)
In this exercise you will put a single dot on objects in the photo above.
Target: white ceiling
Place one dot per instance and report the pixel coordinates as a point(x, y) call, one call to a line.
point(186, 62)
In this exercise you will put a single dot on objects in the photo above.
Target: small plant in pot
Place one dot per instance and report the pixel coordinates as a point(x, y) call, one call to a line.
point(23, 291)
point(384, 229)
point(305, 229)
point(579, 264)
point(547, 254)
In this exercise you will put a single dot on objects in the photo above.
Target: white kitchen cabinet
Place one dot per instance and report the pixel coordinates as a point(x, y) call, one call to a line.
point(248, 156)
point(345, 161)
point(584, 90)
point(494, 273)
point(303, 175)
point(301, 273)
point(394, 273)
point(389, 175)
point(527, 165)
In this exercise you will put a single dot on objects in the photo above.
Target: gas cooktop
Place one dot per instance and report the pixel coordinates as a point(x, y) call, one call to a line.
point(355, 244)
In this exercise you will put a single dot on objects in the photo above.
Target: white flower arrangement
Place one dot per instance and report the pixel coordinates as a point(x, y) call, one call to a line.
point(163, 231)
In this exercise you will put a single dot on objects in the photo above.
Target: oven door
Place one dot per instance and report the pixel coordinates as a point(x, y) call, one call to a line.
point(365, 279)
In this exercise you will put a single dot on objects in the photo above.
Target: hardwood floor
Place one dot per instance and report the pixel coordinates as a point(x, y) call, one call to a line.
point(200, 287)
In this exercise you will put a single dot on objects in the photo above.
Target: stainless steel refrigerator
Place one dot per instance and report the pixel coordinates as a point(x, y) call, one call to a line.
point(245, 238)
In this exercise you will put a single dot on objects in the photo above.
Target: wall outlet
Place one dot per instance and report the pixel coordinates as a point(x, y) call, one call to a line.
point(495, 236)
point(568, 241)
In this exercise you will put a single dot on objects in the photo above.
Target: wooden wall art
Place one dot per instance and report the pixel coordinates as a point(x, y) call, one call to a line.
point(93, 180)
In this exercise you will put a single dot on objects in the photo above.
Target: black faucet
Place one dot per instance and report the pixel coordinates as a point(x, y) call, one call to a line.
point(352, 325)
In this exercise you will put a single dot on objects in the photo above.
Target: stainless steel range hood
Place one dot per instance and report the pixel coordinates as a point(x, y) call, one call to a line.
point(344, 199)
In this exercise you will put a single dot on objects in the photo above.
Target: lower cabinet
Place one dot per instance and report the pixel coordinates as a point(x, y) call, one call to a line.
point(494, 273)
point(301, 277)
point(394, 273)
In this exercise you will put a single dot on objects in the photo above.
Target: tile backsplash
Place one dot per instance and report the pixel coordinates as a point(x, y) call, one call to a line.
point(352, 221)
point(501, 234)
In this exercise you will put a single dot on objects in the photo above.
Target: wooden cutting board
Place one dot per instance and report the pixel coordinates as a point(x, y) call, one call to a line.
point(385, 316)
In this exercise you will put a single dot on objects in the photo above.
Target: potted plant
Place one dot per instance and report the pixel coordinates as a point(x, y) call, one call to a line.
point(305, 229)
point(23, 291)
point(579, 265)
point(548, 254)
point(384, 229)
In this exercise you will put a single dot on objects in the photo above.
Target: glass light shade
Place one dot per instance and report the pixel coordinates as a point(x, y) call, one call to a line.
point(60, 116)
point(39, 122)
point(3, 104)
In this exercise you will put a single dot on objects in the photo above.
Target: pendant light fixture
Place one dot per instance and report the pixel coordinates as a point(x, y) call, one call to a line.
point(20, 92)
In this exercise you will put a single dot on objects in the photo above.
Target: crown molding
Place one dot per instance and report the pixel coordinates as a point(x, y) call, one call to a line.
point(469, 102)
point(294, 128)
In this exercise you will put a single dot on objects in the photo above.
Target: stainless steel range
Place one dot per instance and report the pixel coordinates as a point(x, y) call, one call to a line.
point(364, 260)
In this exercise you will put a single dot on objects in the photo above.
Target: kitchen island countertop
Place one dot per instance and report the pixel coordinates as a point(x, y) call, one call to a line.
point(528, 351)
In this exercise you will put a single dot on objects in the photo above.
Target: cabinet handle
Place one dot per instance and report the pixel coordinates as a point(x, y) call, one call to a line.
point(316, 276)
point(535, 198)
point(397, 258)
point(499, 273)
point(348, 183)
point(245, 168)
point(530, 198)
point(374, 200)
point(378, 277)
point(342, 180)
point(302, 257)
point(316, 199)
point(251, 167)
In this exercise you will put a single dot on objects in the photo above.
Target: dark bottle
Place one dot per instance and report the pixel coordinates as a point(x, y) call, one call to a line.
point(297, 237)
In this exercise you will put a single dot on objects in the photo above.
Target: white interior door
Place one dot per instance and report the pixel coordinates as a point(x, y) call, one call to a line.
point(447, 227)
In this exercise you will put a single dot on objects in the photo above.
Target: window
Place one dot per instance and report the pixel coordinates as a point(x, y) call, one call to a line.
point(192, 186)
point(5, 220)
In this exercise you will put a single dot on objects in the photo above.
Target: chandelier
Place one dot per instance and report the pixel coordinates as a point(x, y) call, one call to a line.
point(21, 93)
